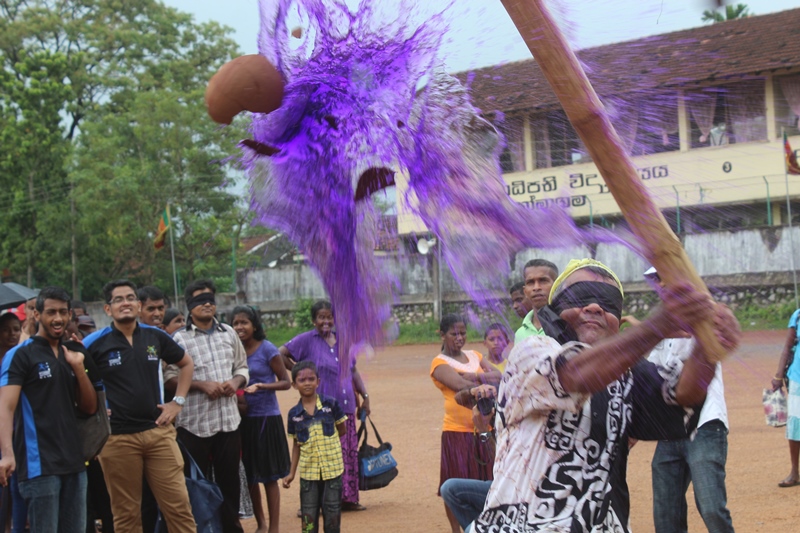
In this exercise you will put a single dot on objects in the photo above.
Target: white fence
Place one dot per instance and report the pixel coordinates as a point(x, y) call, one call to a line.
point(724, 258)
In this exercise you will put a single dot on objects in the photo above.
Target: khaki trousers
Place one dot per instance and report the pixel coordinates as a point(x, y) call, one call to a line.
point(155, 453)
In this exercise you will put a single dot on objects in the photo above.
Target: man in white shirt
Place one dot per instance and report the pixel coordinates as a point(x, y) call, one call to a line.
point(700, 459)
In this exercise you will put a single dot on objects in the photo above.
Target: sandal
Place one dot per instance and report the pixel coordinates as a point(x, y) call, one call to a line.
point(350, 506)
point(790, 483)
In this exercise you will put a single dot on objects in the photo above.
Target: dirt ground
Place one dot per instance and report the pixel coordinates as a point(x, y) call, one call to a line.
point(408, 410)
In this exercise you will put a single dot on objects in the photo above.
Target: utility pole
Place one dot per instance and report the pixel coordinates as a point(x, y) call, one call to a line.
point(33, 226)
point(76, 289)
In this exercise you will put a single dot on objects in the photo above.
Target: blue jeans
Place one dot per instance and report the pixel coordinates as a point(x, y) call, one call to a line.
point(465, 498)
point(56, 504)
point(701, 461)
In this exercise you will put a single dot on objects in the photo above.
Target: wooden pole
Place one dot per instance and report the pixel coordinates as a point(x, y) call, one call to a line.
point(172, 252)
point(587, 115)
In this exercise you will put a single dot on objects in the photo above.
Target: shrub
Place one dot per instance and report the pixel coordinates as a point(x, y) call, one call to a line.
point(302, 314)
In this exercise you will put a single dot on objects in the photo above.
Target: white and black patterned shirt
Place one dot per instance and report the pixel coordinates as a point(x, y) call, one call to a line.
point(561, 457)
point(218, 355)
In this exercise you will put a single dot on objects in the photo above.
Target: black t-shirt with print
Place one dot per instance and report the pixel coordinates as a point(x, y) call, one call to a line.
point(131, 374)
point(46, 438)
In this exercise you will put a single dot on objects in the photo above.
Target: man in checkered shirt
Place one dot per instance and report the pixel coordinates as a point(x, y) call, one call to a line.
point(208, 425)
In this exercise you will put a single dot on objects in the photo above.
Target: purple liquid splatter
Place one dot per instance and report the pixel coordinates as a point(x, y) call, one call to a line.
point(365, 99)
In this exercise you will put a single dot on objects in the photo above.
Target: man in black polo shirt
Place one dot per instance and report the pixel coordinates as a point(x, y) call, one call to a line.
point(46, 379)
point(128, 356)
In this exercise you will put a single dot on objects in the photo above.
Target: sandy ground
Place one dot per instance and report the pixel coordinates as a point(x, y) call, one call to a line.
point(407, 409)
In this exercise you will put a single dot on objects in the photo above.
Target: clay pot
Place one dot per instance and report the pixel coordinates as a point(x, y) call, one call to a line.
point(247, 83)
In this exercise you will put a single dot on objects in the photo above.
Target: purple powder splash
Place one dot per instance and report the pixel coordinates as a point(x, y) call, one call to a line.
point(365, 99)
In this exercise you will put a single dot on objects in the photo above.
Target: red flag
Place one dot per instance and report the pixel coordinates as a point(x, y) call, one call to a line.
point(791, 160)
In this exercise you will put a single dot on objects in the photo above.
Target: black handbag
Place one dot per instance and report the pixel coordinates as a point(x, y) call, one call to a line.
point(376, 466)
point(94, 429)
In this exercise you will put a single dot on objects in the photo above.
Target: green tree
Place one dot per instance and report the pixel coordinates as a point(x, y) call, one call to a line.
point(101, 105)
point(33, 162)
point(729, 13)
point(161, 149)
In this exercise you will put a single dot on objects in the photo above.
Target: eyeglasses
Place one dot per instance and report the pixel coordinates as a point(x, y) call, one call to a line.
point(119, 299)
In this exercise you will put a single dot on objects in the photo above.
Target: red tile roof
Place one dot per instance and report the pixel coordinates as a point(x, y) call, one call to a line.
point(718, 51)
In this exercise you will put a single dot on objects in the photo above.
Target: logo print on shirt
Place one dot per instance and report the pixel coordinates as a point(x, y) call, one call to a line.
point(114, 359)
point(152, 354)
point(44, 370)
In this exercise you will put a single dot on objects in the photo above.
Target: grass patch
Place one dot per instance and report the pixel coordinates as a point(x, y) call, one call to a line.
point(425, 333)
point(754, 318)
point(281, 335)
point(775, 316)
point(750, 317)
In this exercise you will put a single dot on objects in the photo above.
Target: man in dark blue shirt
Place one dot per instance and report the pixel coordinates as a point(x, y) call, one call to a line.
point(42, 380)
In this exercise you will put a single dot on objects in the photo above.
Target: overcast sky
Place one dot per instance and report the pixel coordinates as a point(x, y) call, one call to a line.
point(481, 33)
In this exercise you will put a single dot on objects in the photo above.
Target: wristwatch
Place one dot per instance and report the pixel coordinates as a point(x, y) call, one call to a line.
point(180, 400)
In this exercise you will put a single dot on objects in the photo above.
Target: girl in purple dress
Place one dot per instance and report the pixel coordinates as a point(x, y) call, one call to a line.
point(265, 453)
point(319, 345)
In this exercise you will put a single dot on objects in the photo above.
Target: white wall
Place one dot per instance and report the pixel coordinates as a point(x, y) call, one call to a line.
point(722, 253)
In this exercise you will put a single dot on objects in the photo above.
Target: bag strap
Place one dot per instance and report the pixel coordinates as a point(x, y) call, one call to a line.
point(102, 408)
point(362, 430)
point(477, 442)
point(194, 471)
point(377, 435)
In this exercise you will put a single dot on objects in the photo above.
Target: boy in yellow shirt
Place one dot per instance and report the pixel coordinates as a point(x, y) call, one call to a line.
point(316, 423)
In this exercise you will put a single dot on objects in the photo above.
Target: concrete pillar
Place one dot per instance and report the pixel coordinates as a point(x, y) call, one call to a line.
point(684, 129)
point(527, 140)
point(769, 102)
point(777, 213)
point(436, 280)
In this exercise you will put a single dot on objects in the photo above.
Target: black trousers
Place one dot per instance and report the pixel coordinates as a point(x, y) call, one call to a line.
point(218, 458)
point(98, 503)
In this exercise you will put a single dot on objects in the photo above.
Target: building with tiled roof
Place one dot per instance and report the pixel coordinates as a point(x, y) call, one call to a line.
point(702, 111)
point(683, 59)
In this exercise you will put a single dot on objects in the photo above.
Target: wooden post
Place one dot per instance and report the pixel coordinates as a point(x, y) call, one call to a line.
point(587, 115)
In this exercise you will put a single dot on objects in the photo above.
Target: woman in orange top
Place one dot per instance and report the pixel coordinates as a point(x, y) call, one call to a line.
point(464, 453)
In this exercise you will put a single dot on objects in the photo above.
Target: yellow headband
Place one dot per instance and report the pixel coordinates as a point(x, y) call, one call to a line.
point(577, 264)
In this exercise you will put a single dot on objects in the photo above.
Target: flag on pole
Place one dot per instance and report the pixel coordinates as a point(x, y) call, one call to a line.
point(163, 228)
point(791, 160)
